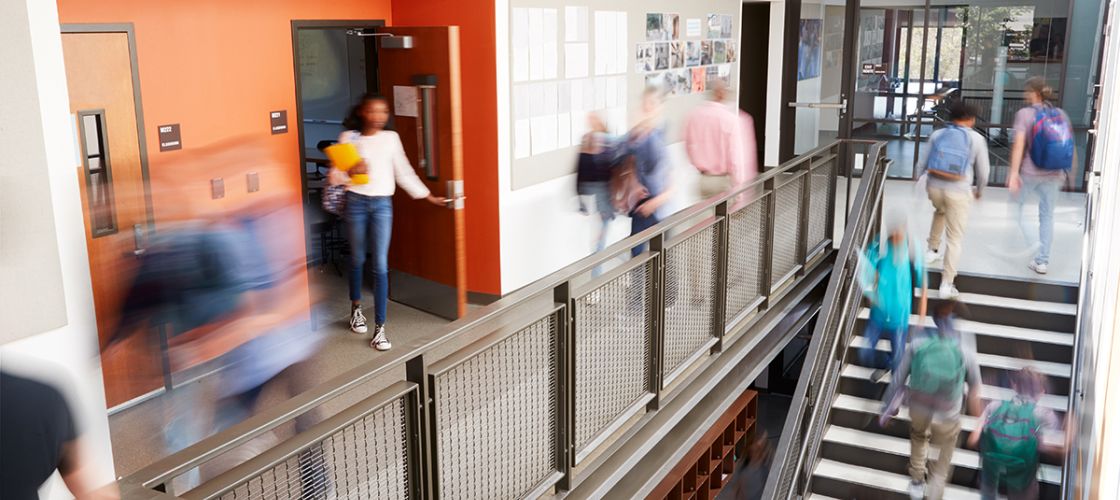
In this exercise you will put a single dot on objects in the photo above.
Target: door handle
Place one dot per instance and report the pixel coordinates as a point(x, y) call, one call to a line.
point(842, 105)
point(138, 240)
point(455, 197)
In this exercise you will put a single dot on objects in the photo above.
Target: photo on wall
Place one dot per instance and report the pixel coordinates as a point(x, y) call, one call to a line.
point(692, 54)
point(676, 54)
point(656, 80)
point(643, 58)
point(714, 29)
point(680, 82)
point(719, 52)
point(699, 79)
point(705, 52)
point(656, 31)
point(725, 26)
point(672, 23)
point(809, 49)
point(661, 56)
point(725, 74)
point(731, 52)
point(712, 75)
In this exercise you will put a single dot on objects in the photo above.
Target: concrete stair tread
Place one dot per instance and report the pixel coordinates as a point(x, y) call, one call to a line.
point(1010, 303)
point(994, 330)
point(881, 480)
point(872, 407)
point(900, 447)
point(1049, 368)
point(987, 392)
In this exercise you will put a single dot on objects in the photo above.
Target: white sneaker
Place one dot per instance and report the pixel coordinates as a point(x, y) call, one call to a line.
point(948, 291)
point(357, 320)
point(380, 341)
point(1037, 267)
point(917, 490)
point(932, 256)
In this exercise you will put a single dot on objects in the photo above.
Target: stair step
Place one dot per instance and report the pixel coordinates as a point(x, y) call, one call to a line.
point(994, 330)
point(987, 392)
point(900, 447)
point(872, 407)
point(1009, 363)
point(979, 299)
point(887, 482)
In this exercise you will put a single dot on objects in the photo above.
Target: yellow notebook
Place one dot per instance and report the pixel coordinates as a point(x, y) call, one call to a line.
point(345, 156)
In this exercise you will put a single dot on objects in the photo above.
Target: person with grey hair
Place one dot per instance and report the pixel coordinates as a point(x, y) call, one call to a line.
point(894, 270)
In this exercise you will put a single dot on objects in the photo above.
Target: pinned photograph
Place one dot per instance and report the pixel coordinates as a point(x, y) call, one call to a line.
point(725, 26)
point(692, 54)
point(672, 23)
point(656, 80)
point(719, 52)
point(699, 77)
point(714, 29)
point(661, 56)
point(676, 54)
point(681, 82)
point(656, 31)
point(732, 55)
point(725, 74)
point(712, 75)
point(643, 58)
point(705, 52)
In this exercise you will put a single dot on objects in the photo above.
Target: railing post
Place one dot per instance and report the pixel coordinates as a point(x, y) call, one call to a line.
point(565, 387)
point(421, 436)
point(765, 285)
point(723, 242)
point(656, 318)
point(803, 214)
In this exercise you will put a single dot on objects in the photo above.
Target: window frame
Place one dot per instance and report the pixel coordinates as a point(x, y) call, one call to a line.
point(102, 136)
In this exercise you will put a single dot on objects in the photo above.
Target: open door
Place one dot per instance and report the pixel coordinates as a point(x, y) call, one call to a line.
point(419, 73)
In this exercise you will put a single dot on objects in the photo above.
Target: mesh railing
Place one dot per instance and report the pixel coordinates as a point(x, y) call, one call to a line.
point(808, 418)
point(542, 379)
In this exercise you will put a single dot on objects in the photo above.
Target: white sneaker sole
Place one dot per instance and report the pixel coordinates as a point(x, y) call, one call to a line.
point(381, 346)
point(359, 329)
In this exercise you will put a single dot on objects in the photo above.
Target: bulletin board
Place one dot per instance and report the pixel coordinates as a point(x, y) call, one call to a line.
point(570, 58)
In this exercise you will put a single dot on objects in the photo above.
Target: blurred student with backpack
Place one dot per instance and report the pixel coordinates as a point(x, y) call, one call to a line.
point(1042, 156)
point(646, 195)
point(955, 161)
point(597, 157)
point(938, 365)
point(1009, 436)
point(889, 278)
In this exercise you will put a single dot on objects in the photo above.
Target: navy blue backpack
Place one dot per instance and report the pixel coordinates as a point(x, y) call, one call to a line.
point(1051, 139)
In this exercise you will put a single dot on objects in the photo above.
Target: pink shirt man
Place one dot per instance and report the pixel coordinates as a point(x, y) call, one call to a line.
point(720, 141)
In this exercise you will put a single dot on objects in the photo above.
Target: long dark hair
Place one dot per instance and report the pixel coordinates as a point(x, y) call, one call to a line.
point(354, 120)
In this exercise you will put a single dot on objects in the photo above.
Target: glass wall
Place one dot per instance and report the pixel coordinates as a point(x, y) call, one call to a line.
point(916, 58)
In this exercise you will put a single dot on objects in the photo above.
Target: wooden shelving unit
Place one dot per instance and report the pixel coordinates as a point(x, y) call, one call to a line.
point(708, 466)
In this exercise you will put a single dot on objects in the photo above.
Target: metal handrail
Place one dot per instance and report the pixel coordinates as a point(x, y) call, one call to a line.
point(811, 402)
point(413, 353)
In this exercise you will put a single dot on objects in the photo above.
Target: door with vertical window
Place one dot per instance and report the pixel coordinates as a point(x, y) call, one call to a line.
point(110, 174)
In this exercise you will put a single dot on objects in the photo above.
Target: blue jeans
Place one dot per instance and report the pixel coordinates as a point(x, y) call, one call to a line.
point(870, 358)
point(370, 220)
point(638, 224)
point(1047, 189)
point(600, 197)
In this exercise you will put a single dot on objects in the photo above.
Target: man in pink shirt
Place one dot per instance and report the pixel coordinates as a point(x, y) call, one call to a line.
point(720, 143)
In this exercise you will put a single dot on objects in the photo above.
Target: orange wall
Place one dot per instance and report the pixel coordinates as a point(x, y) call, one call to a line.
point(475, 19)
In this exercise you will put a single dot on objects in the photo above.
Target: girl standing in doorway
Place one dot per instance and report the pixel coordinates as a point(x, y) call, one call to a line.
point(369, 205)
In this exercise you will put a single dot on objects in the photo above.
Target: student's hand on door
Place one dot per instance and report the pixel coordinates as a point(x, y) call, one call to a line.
point(438, 201)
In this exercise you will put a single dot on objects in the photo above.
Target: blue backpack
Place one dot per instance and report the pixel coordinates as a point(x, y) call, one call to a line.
point(949, 154)
point(1051, 139)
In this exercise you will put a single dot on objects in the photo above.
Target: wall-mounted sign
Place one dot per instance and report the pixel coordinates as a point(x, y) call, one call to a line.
point(405, 101)
point(278, 120)
point(169, 137)
point(873, 69)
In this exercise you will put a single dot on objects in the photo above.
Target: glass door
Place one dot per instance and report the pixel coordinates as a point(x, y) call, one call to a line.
point(820, 101)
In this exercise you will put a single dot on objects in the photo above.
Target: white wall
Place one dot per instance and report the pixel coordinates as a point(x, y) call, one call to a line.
point(64, 356)
point(774, 83)
point(541, 229)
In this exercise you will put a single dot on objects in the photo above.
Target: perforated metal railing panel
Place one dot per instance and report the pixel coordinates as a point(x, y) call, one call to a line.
point(820, 192)
point(367, 459)
point(689, 297)
point(612, 341)
point(744, 257)
point(496, 417)
point(787, 228)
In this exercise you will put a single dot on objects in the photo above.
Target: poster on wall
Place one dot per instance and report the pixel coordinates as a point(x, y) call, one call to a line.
point(692, 28)
point(698, 80)
point(679, 81)
point(661, 56)
point(676, 55)
point(673, 24)
point(692, 54)
point(705, 52)
point(809, 49)
point(655, 28)
point(719, 52)
point(644, 58)
point(731, 52)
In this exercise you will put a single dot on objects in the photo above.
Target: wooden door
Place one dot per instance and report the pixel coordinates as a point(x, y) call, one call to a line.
point(110, 173)
point(427, 255)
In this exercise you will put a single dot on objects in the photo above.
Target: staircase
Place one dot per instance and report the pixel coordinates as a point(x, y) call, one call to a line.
point(1015, 324)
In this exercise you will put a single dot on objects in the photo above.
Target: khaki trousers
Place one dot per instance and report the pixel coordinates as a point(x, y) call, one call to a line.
point(950, 214)
point(712, 185)
point(924, 432)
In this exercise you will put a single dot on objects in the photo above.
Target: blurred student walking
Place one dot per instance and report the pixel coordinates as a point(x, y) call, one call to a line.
point(1042, 155)
point(597, 156)
point(720, 143)
point(645, 145)
point(369, 206)
point(956, 159)
point(935, 369)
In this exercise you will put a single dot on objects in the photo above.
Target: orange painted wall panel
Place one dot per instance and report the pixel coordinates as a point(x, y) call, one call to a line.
point(475, 19)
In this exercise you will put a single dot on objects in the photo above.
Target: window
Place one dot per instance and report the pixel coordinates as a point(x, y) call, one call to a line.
point(99, 177)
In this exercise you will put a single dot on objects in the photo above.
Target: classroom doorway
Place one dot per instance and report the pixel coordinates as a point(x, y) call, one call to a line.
point(111, 170)
point(417, 69)
point(754, 51)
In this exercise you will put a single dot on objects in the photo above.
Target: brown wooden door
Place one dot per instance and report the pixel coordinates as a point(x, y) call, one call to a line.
point(102, 100)
point(427, 254)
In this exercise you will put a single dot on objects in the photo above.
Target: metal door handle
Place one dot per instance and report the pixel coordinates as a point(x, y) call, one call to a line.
point(842, 105)
point(138, 240)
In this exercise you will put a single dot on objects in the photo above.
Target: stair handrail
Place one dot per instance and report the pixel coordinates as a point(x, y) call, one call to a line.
point(799, 446)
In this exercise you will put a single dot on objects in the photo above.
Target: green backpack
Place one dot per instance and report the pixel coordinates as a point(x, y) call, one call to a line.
point(1009, 444)
point(937, 369)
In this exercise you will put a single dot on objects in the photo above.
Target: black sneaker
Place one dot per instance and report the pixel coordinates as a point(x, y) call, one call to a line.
point(357, 320)
point(380, 341)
